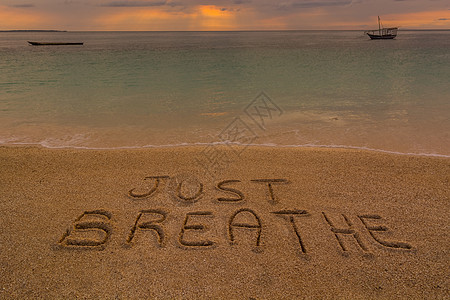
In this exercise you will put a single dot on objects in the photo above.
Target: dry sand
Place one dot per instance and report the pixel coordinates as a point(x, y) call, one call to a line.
point(312, 223)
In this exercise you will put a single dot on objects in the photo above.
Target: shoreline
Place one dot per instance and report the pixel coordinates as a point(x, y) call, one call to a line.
point(275, 223)
point(222, 144)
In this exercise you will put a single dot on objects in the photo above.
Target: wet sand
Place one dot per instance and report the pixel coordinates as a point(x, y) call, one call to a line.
point(269, 223)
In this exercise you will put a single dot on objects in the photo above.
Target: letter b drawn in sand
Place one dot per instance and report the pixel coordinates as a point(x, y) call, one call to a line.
point(91, 230)
point(380, 228)
point(149, 225)
point(289, 215)
point(194, 227)
point(234, 224)
point(349, 231)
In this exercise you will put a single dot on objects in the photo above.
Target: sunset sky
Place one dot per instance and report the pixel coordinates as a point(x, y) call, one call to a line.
point(222, 14)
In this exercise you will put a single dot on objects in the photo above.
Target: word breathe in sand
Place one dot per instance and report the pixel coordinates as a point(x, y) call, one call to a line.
point(93, 229)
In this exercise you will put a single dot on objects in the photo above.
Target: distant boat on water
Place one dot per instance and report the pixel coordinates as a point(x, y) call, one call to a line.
point(382, 33)
point(32, 30)
point(53, 43)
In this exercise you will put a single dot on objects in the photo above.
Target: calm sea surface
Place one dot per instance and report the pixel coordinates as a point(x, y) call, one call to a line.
point(141, 89)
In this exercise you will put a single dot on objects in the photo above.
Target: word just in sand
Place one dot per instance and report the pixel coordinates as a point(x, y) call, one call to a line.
point(93, 229)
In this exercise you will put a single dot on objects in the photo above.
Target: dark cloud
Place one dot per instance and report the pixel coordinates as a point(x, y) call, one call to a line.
point(23, 5)
point(138, 3)
point(312, 4)
point(264, 5)
point(444, 19)
point(296, 5)
point(229, 9)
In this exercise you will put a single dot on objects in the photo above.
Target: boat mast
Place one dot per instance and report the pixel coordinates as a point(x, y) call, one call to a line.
point(379, 26)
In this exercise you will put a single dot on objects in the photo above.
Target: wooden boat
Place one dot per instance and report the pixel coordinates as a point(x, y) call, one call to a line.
point(382, 33)
point(53, 44)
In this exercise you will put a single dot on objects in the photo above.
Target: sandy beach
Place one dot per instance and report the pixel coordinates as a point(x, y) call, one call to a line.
point(180, 223)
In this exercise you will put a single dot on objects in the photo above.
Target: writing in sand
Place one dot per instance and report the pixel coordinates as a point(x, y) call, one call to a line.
point(93, 229)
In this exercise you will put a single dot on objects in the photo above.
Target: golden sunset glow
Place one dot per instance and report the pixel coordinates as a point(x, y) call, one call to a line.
point(213, 11)
point(136, 19)
point(204, 17)
point(229, 15)
point(431, 19)
point(212, 17)
point(13, 18)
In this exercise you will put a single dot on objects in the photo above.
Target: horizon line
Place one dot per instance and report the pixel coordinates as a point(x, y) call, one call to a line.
point(244, 30)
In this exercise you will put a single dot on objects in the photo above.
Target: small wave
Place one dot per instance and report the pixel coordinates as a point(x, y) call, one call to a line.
point(46, 144)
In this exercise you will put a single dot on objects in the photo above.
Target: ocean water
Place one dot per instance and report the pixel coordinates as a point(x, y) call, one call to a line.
point(284, 88)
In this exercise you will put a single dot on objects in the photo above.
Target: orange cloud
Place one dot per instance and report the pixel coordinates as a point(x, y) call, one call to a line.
point(138, 19)
point(425, 19)
point(208, 17)
point(211, 17)
point(21, 18)
point(324, 19)
point(203, 17)
point(214, 11)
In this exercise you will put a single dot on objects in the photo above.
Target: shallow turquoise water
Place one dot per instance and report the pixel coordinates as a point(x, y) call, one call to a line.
point(136, 89)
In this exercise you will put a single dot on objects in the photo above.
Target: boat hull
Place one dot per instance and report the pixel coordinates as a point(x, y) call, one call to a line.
point(53, 44)
point(381, 37)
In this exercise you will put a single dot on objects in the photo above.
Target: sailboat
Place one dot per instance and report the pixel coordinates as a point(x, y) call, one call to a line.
point(382, 33)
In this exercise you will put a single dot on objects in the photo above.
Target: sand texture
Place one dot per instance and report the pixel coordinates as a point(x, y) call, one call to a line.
point(269, 223)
